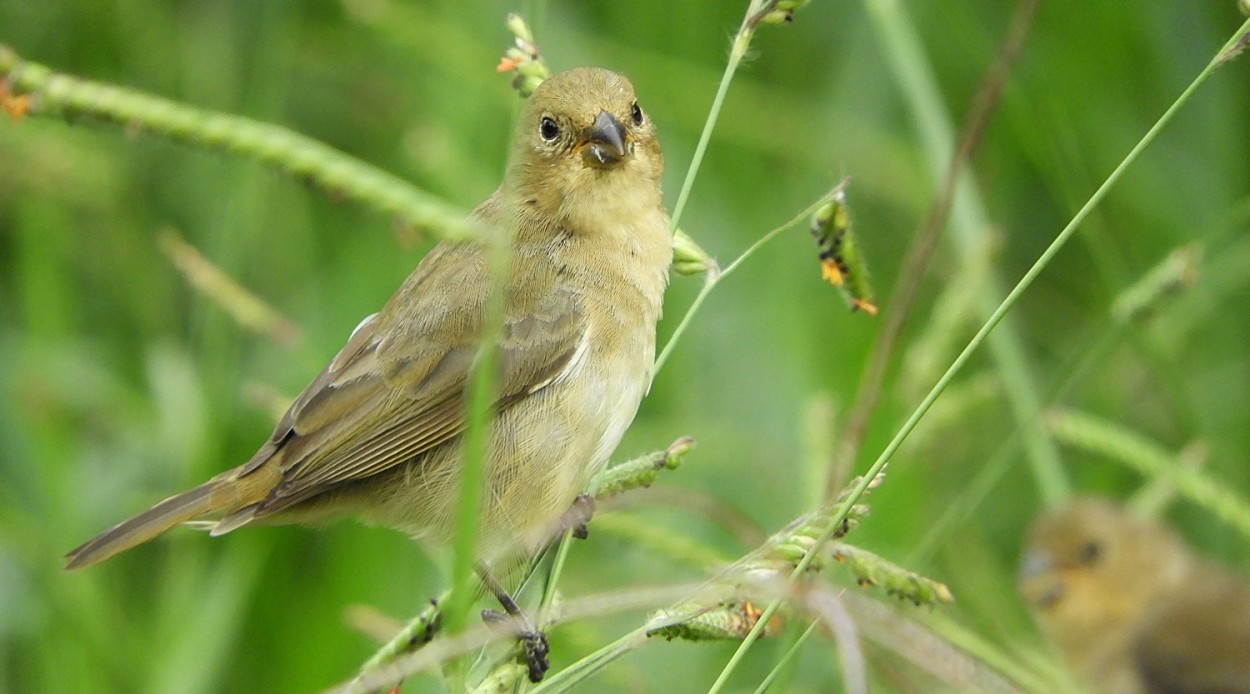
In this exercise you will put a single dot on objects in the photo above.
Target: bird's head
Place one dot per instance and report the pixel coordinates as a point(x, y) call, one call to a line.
point(584, 145)
point(1092, 565)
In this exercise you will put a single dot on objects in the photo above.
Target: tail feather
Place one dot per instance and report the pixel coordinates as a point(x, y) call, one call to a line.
point(183, 507)
point(235, 520)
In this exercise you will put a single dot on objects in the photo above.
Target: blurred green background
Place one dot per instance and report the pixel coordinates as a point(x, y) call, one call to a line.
point(121, 385)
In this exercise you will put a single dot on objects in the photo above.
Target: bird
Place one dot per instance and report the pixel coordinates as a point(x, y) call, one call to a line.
point(1132, 608)
point(378, 432)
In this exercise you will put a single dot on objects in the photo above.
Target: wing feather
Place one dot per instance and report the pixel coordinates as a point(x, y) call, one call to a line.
point(396, 389)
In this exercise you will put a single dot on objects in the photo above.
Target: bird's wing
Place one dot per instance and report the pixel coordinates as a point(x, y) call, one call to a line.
point(396, 389)
point(1199, 640)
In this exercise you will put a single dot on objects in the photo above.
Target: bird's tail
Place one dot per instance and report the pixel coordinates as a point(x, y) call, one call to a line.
point(204, 499)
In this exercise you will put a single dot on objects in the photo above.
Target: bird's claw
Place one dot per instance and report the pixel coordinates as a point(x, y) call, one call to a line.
point(534, 647)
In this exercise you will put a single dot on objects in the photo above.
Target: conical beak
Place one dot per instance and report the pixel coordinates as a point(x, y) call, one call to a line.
point(606, 142)
point(1039, 583)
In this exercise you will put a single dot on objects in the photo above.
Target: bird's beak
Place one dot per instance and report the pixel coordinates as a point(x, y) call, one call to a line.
point(1038, 583)
point(606, 142)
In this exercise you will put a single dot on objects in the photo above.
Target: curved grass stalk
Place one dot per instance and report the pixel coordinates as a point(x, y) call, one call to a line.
point(45, 92)
point(1148, 458)
point(737, 51)
point(998, 314)
point(715, 276)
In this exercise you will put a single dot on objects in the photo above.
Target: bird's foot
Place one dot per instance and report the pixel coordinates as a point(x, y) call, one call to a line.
point(535, 649)
point(534, 646)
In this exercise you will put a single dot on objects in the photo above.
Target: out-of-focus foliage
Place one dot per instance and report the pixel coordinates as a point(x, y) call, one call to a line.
point(119, 384)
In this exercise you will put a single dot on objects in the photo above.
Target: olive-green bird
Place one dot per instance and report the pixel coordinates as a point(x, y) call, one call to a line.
point(1132, 608)
point(377, 434)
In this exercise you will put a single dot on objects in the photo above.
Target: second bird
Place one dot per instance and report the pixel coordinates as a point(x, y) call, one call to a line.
point(1135, 610)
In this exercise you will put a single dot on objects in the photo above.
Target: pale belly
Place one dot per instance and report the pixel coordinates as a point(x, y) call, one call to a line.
point(542, 454)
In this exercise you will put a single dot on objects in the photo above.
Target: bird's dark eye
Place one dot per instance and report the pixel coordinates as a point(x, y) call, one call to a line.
point(548, 129)
point(1091, 552)
point(636, 113)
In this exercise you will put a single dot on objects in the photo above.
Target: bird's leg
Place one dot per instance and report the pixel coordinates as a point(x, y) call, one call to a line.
point(533, 641)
